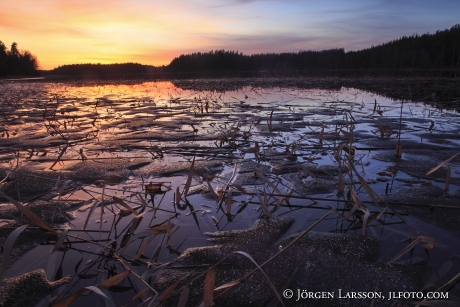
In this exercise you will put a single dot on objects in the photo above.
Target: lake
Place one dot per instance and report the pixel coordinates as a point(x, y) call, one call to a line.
point(143, 169)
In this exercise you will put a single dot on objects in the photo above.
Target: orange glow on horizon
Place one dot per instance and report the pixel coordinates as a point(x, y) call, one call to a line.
point(62, 32)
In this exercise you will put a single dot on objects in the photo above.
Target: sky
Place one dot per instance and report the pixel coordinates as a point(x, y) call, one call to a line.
point(154, 32)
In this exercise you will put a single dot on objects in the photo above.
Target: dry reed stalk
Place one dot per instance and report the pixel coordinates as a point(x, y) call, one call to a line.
point(183, 296)
point(112, 281)
point(233, 284)
point(441, 164)
point(208, 287)
point(29, 214)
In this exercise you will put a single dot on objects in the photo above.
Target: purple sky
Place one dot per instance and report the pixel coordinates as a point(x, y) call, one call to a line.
point(154, 32)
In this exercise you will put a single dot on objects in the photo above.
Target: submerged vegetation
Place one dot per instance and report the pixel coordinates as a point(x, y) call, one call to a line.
point(112, 184)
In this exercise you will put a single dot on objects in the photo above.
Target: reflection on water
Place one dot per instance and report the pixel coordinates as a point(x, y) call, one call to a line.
point(150, 167)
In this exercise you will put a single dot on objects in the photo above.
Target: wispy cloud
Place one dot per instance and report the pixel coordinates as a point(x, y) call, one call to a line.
point(153, 32)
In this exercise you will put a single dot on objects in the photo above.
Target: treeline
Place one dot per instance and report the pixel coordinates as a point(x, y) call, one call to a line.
point(438, 50)
point(221, 60)
point(433, 51)
point(103, 70)
point(16, 63)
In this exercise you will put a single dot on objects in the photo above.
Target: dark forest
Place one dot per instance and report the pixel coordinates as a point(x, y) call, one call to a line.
point(17, 63)
point(440, 50)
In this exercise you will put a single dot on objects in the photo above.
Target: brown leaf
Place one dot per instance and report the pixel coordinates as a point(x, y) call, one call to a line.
point(167, 293)
point(229, 284)
point(406, 249)
point(178, 196)
point(184, 296)
point(140, 293)
point(208, 287)
point(398, 151)
point(189, 179)
point(262, 204)
point(29, 214)
point(143, 247)
point(66, 301)
point(89, 214)
point(241, 189)
point(121, 202)
point(162, 228)
point(446, 185)
point(112, 281)
point(441, 164)
point(228, 201)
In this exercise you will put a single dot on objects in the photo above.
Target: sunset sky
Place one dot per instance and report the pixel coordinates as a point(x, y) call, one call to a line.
point(154, 32)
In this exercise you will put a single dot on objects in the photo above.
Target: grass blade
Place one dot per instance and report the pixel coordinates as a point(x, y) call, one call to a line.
point(140, 293)
point(167, 293)
point(265, 275)
point(367, 213)
point(29, 214)
point(229, 284)
point(7, 248)
point(97, 291)
point(406, 249)
point(112, 281)
point(61, 239)
point(189, 179)
point(441, 164)
point(121, 202)
point(259, 174)
point(228, 201)
point(66, 301)
point(183, 296)
point(89, 214)
point(208, 287)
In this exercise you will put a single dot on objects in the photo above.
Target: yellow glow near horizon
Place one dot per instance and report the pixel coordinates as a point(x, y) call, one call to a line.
point(154, 32)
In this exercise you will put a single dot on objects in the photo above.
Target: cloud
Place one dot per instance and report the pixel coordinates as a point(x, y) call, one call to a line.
point(63, 31)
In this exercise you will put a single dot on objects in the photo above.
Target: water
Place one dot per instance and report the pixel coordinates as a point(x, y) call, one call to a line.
point(115, 139)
